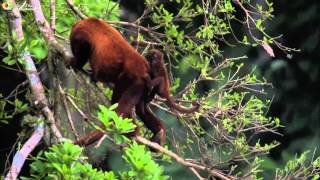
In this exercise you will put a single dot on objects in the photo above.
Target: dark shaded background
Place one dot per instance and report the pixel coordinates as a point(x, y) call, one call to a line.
point(295, 77)
point(296, 81)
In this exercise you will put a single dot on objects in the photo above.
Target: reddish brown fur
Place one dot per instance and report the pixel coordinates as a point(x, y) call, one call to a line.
point(109, 54)
point(161, 83)
point(152, 122)
point(112, 59)
point(161, 86)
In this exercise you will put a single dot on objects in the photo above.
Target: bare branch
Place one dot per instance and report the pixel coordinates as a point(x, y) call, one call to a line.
point(38, 99)
point(21, 156)
point(197, 174)
point(15, 20)
point(64, 100)
point(84, 116)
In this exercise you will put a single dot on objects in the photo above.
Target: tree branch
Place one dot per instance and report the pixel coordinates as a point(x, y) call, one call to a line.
point(78, 12)
point(182, 161)
point(75, 9)
point(69, 117)
point(21, 156)
point(46, 30)
point(38, 98)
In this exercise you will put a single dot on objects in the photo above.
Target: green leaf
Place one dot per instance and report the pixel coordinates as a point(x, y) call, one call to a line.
point(7, 60)
point(113, 107)
point(259, 23)
point(118, 139)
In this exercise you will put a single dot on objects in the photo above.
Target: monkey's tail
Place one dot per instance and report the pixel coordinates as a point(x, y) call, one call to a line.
point(182, 109)
point(92, 137)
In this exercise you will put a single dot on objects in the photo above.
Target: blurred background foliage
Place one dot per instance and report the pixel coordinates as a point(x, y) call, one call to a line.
point(295, 78)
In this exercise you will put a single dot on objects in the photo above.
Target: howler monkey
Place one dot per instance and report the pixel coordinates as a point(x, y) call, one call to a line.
point(112, 59)
point(161, 84)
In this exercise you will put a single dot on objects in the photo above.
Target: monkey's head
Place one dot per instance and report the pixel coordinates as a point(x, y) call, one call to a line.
point(154, 55)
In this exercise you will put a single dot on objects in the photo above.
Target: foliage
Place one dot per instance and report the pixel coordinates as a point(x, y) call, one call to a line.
point(64, 161)
point(140, 161)
point(3, 29)
point(18, 107)
point(103, 9)
point(34, 42)
point(114, 124)
point(295, 80)
point(299, 168)
point(141, 164)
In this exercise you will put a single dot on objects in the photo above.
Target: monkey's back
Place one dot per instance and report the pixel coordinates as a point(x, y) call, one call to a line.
point(108, 52)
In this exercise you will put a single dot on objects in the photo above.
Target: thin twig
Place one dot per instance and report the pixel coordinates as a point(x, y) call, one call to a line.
point(12, 150)
point(16, 91)
point(63, 96)
point(100, 141)
point(195, 172)
point(84, 116)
